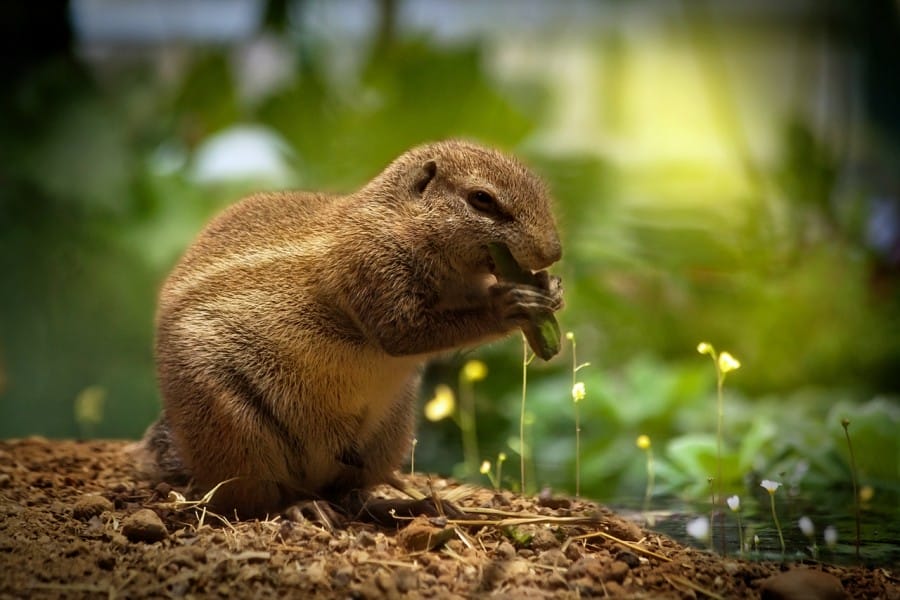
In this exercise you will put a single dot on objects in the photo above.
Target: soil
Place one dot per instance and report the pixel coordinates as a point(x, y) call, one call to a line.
point(76, 523)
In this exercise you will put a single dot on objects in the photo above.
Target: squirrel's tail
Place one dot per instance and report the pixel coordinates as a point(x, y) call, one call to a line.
point(156, 457)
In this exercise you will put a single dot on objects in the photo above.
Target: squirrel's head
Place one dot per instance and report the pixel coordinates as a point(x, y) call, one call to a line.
point(464, 196)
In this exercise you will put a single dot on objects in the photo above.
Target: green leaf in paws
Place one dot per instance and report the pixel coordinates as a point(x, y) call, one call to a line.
point(542, 332)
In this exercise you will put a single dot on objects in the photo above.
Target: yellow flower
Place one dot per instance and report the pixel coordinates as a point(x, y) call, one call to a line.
point(728, 363)
point(89, 405)
point(501, 457)
point(643, 441)
point(442, 405)
point(866, 493)
point(570, 336)
point(485, 467)
point(578, 391)
point(705, 348)
point(474, 370)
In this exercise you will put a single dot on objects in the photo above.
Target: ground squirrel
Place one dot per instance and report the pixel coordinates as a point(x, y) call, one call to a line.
point(291, 335)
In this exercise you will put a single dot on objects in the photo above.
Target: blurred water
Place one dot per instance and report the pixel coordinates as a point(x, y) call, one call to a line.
point(880, 528)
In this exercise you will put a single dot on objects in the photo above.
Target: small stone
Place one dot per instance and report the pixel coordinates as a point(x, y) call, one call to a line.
point(554, 557)
point(343, 576)
point(107, 562)
point(802, 584)
point(617, 571)
point(505, 550)
point(90, 506)
point(365, 539)
point(629, 559)
point(144, 526)
point(613, 590)
point(316, 573)
point(162, 489)
point(386, 583)
point(421, 536)
point(407, 580)
point(573, 552)
point(546, 500)
point(588, 567)
point(544, 539)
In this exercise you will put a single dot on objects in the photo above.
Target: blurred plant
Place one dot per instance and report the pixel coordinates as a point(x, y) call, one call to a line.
point(412, 456)
point(89, 409)
point(772, 487)
point(501, 458)
point(442, 404)
point(486, 470)
point(734, 503)
point(724, 363)
point(643, 442)
point(831, 537)
point(526, 360)
point(578, 394)
point(698, 528)
point(809, 530)
point(472, 371)
point(496, 479)
point(845, 423)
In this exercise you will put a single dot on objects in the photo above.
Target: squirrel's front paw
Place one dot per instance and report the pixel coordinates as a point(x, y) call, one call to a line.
point(553, 287)
point(517, 304)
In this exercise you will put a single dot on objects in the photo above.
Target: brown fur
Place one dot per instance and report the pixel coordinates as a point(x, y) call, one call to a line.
point(291, 335)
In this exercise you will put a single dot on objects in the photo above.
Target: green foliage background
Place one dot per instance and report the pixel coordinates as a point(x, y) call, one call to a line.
point(98, 201)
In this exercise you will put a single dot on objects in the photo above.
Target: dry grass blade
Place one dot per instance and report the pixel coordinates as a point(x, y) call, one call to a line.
point(677, 580)
point(630, 545)
point(527, 520)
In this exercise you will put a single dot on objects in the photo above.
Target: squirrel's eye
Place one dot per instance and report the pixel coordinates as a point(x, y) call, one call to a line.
point(482, 201)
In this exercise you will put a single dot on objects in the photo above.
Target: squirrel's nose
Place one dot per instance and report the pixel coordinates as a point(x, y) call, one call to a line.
point(549, 251)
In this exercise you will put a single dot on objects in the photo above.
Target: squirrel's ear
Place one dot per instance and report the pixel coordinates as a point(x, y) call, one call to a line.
point(424, 176)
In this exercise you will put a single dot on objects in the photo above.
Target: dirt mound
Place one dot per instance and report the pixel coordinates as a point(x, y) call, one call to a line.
point(75, 523)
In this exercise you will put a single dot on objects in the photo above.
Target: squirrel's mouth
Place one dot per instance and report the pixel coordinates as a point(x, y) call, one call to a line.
point(489, 264)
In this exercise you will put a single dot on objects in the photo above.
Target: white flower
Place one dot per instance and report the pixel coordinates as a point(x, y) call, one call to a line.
point(578, 391)
point(734, 503)
point(698, 528)
point(806, 526)
point(831, 536)
point(771, 486)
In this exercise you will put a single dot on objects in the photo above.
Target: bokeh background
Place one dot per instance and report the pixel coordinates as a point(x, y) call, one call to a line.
point(726, 171)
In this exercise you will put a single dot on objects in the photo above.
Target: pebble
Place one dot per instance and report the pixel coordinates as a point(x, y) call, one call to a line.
point(617, 571)
point(505, 550)
point(90, 506)
point(803, 584)
point(144, 526)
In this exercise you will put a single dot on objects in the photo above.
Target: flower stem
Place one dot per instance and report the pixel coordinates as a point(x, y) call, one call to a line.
point(649, 491)
point(525, 362)
point(777, 524)
point(845, 423)
point(577, 425)
point(720, 381)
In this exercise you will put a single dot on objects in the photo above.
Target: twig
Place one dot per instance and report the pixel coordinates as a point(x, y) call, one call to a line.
point(690, 585)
